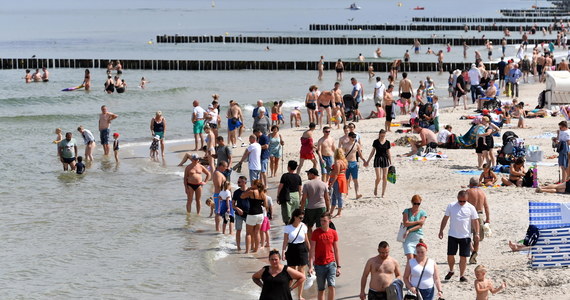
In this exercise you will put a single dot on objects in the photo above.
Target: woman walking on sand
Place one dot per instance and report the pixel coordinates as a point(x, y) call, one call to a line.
point(422, 275)
point(256, 197)
point(275, 150)
point(413, 219)
point(338, 181)
point(296, 244)
point(382, 160)
point(277, 280)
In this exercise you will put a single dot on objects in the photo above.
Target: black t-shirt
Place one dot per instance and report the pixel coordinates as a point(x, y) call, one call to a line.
point(243, 204)
point(501, 66)
point(381, 149)
point(291, 181)
point(461, 81)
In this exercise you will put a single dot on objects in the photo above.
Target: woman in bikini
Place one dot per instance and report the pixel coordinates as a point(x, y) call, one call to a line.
point(311, 103)
point(338, 181)
point(193, 182)
point(516, 173)
point(488, 177)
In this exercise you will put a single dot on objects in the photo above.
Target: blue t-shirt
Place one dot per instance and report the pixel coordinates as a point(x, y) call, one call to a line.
point(415, 218)
point(264, 140)
point(242, 204)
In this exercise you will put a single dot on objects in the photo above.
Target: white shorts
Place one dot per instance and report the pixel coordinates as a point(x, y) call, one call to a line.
point(253, 220)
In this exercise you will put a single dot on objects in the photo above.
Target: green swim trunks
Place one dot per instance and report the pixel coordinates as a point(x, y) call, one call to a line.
point(199, 126)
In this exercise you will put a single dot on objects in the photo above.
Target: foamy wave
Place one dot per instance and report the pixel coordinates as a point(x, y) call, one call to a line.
point(226, 243)
point(146, 143)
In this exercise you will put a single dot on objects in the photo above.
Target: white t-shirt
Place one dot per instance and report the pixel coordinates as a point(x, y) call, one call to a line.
point(292, 232)
point(214, 114)
point(435, 112)
point(199, 111)
point(564, 135)
point(225, 195)
point(474, 76)
point(442, 136)
point(254, 156)
point(460, 217)
point(269, 203)
point(380, 88)
point(416, 272)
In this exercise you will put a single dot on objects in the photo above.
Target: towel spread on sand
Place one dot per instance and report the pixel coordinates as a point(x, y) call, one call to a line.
point(546, 135)
point(428, 156)
point(469, 172)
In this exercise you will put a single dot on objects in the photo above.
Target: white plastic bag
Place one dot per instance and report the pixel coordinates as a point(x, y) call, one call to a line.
point(309, 281)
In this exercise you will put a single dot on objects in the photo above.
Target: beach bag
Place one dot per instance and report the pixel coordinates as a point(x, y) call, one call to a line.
point(400, 237)
point(533, 154)
point(532, 235)
point(392, 174)
point(528, 179)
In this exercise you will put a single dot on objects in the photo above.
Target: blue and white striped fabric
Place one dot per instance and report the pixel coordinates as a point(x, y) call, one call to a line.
point(552, 249)
point(549, 215)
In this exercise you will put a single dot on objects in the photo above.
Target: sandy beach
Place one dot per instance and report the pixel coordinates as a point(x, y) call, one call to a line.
point(369, 220)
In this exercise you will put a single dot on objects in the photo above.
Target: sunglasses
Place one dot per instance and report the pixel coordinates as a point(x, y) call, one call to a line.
point(462, 201)
point(328, 131)
point(418, 204)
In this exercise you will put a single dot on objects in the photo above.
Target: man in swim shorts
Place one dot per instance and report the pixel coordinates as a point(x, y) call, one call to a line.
point(352, 148)
point(383, 269)
point(235, 123)
point(326, 104)
point(405, 90)
point(476, 196)
point(105, 119)
point(198, 121)
point(217, 179)
point(387, 104)
point(67, 150)
point(325, 150)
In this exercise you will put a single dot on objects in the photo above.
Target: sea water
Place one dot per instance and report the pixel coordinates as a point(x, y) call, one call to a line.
point(120, 231)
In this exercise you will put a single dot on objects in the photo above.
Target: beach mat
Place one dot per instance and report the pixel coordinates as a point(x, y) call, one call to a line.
point(469, 172)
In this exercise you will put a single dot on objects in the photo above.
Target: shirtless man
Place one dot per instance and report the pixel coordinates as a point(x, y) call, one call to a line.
point(351, 147)
point(295, 115)
point(338, 101)
point(539, 66)
point(325, 151)
point(387, 106)
point(547, 66)
point(440, 61)
point(45, 75)
point(193, 182)
point(321, 67)
point(37, 77)
point(426, 136)
point(218, 178)
point(326, 104)
point(105, 119)
point(416, 46)
point(465, 47)
point(490, 93)
point(407, 61)
point(477, 198)
point(307, 147)
point(405, 90)
point(383, 270)
point(235, 123)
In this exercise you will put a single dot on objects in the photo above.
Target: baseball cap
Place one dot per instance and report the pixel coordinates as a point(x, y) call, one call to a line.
point(313, 171)
point(194, 157)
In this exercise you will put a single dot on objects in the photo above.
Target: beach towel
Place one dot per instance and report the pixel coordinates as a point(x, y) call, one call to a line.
point(428, 156)
point(469, 172)
point(546, 135)
point(547, 164)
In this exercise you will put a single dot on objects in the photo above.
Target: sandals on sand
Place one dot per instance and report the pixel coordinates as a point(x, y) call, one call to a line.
point(448, 276)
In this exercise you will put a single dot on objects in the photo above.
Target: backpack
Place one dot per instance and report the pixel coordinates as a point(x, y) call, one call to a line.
point(451, 142)
point(532, 235)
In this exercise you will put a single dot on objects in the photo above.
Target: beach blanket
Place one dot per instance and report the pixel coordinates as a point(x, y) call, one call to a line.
point(546, 135)
point(547, 164)
point(469, 172)
point(553, 246)
point(429, 156)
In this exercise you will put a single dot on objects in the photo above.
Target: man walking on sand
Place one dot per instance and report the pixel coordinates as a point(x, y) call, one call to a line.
point(463, 220)
point(405, 90)
point(315, 200)
point(289, 191)
point(253, 154)
point(477, 198)
point(383, 270)
point(217, 179)
point(351, 148)
point(307, 147)
point(241, 207)
point(325, 151)
point(105, 119)
point(198, 121)
point(324, 257)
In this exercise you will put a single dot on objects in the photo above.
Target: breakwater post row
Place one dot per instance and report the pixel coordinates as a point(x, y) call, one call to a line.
point(295, 40)
point(220, 65)
point(526, 20)
point(419, 27)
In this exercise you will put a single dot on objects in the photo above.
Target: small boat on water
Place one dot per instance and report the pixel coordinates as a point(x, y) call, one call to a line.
point(353, 6)
point(419, 8)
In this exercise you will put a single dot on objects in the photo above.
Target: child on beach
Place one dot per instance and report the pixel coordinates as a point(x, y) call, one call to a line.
point(211, 205)
point(79, 166)
point(266, 225)
point(154, 147)
point(58, 139)
point(336, 116)
point(226, 208)
point(116, 146)
point(488, 177)
point(483, 286)
point(275, 114)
